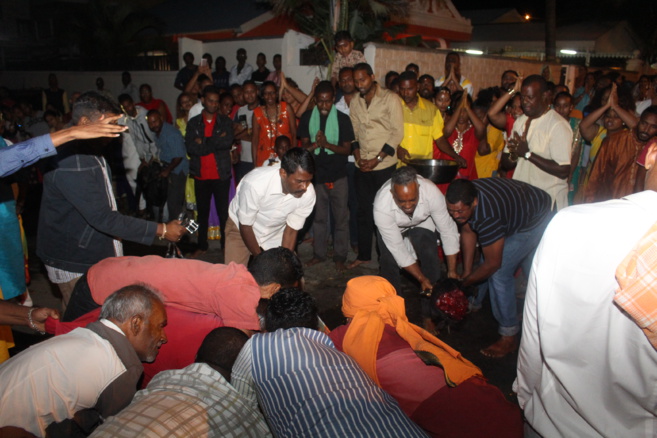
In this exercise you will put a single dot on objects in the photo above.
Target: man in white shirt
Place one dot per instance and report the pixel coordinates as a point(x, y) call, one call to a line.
point(585, 368)
point(270, 207)
point(68, 384)
point(540, 144)
point(408, 211)
point(241, 71)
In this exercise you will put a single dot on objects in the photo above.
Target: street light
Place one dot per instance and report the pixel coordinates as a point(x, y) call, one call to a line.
point(474, 52)
point(568, 52)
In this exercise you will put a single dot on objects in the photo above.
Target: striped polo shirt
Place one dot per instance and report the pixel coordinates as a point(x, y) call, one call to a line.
point(507, 207)
point(307, 388)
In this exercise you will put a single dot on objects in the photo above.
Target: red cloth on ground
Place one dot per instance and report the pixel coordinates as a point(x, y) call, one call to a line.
point(185, 332)
point(472, 409)
point(227, 291)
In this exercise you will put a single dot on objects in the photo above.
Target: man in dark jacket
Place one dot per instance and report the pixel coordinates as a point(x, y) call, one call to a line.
point(209, 139)
point(79, 224)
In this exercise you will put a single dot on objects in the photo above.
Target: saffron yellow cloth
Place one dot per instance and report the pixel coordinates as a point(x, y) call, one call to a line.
point(372, 302)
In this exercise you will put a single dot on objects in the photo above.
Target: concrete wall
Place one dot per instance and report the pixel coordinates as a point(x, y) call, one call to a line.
point(161, 82)
point(483, 71)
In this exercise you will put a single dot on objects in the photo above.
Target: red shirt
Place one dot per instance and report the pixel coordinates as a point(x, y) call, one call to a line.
point(228, 292)
point(208, 162)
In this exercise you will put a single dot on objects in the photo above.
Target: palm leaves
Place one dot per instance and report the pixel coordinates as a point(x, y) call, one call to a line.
point(322, 18)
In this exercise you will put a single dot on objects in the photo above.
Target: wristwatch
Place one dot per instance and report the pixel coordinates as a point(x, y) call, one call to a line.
point(379, 158)
point(528, 155)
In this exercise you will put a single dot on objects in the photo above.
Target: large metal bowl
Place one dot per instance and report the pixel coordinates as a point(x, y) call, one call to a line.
point(438, 171)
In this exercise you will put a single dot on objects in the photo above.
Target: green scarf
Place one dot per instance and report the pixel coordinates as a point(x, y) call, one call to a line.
point(331, 131)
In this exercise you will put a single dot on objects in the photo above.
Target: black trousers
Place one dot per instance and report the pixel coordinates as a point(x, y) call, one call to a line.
point(204, 190)
point(367, 184)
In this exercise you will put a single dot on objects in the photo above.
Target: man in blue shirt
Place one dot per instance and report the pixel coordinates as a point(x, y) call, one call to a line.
point(171, 145)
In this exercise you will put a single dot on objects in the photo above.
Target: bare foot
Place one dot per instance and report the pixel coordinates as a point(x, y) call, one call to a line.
point(356, 263)
point(313, 261)
point(196, 254)
point(340, 267)
point(503, 346)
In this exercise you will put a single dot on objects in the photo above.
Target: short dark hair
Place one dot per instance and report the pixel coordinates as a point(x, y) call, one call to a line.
point(364, 66)
point(345, 69)
point(91, 105)
point(536, 79)
point(145, 86)
point(221, 347)
point(650, 110)
point(461, 190)
point(124, 98)
point(241, 50)
point(390, 74)
point(412, 65)
point(280, 139)
point(210, 89)
point(509, 71)
point(186, 54)
point(202, 78)
point(261, 54)
point(225, 95)
point(343, 35)
point(249, 82)
point(278, 55)
point(276, 265)
point(403, 176)
point(291, 307)
point(407, 75)
point(50, 113)
point(426, 76)
point(324, 87)
point(153, 112)
point(564, 94)
point(297, 158)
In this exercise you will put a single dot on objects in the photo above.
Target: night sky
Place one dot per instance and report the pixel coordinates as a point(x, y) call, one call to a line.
point(641, 14)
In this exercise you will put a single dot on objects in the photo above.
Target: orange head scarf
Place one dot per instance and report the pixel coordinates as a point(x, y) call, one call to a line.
point(372, 302)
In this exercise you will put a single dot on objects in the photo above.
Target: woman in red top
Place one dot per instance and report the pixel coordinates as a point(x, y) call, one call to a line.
point(270, 121)
point(466, 134)
point(150, 103)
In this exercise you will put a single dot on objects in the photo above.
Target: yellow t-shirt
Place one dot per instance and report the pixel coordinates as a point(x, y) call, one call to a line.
point(422, 126)
point(488, 164)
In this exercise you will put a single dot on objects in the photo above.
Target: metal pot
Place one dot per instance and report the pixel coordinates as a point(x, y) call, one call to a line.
point(438, 171)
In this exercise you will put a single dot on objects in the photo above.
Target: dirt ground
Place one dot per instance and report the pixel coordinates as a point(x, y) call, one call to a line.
point(475, 332)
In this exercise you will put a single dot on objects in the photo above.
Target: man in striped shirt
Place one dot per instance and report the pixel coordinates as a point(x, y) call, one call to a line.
point(507, 218)
point(305, 386)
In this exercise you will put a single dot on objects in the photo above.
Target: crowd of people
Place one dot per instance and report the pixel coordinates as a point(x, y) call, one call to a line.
point(555, 184)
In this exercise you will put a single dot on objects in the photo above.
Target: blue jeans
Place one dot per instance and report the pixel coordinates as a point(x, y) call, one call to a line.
point(518, 250)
